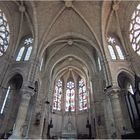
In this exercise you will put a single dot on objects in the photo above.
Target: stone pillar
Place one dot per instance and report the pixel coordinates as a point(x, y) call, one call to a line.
point(45, 120)
point(117, 111)
point(20, 125)
point(98, 108)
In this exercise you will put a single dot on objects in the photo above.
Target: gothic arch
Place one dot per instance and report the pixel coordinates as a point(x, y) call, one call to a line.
point(125, 73)
point(11, 98)
point(129, 100)
point(14, 72)
point(68, 36)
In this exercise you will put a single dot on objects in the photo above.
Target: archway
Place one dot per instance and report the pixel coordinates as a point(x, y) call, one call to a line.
point(10, 104)
point(70, 60)
point(130, 101)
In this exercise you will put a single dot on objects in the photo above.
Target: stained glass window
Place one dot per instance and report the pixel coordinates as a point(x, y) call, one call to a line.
point(99, 64)
point(20, 54)
point(5, 99)
point(28, 53)
point(25, 51)
point(70, 96)
point(135, 30)
point(112, 53)
point(41, 64)
point(4, 33)
point(114, 47)
point(83, 96)
point(130, 89)
point(57, 95)
point(119, 52)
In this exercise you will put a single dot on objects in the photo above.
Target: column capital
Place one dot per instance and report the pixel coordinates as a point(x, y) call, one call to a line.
point(115, 90)
point(27, 92)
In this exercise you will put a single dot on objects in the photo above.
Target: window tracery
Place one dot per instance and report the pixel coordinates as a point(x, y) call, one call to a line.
point(135, 30)
point(26, 50)
point(4, 33)
point(114, 49)
point(82, 95)
point(57, 95)
point(70, 96)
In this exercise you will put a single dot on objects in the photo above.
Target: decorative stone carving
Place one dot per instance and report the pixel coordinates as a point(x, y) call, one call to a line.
point(70, 42)
point(112, 90)
point(68, 3)
point(21, 8)
point(27, 95)
point(115, 7)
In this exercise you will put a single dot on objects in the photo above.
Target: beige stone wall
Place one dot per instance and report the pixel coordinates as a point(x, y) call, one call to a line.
point(63, 30)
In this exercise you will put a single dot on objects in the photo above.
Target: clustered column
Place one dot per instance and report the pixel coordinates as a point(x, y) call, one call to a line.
point(20, 125)
point(117, 111)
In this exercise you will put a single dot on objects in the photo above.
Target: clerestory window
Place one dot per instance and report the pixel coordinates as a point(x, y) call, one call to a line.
point(4, 33)
point(99, 64)
point(41, 64)
point(114, 49)
point(26, 50)
point(135, 30)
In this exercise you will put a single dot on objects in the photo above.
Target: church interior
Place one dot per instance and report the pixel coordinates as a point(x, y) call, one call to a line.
point(70, 69)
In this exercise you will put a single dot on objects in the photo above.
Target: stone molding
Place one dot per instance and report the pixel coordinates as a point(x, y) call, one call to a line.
point(113, 91)
point(115, 7)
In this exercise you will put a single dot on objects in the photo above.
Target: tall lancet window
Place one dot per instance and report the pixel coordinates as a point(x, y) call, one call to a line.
point(26, 50)
point(57, 95)
point(114, 49)
point(5, 99)
point(135, 30)
point(83, 96)
point(70, 96)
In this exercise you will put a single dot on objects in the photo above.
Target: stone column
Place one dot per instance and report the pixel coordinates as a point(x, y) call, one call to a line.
point(20, 125)
point(98, 108)
point(92, 108)
point(117, 111)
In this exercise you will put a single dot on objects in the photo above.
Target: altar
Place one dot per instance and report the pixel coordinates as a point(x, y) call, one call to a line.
point(69, 131)
point(69, 135)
